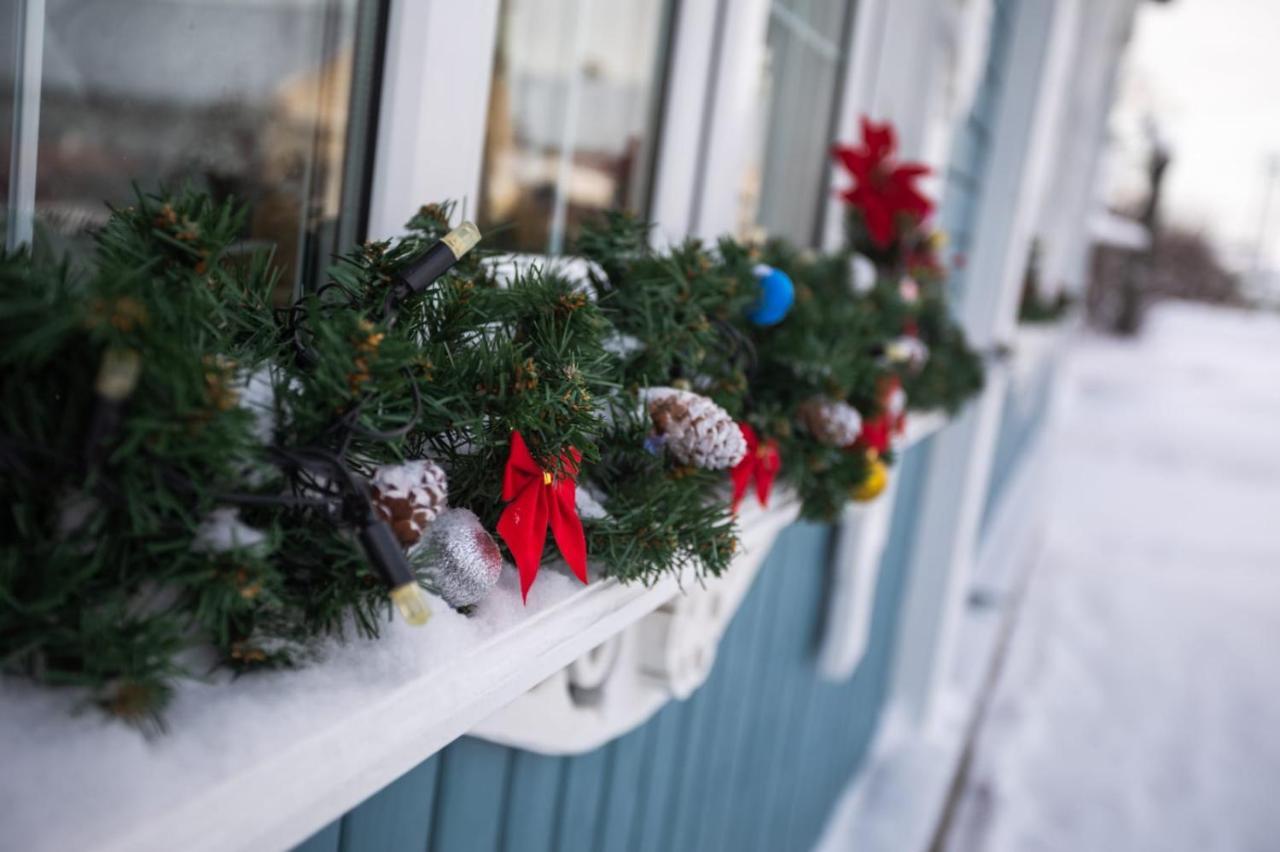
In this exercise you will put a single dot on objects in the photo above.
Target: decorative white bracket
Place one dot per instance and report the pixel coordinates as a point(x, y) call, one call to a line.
point(864, 530)
point(620, 684)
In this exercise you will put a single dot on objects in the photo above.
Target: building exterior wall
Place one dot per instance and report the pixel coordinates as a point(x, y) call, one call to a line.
point(1024, 416)
point(758, 757)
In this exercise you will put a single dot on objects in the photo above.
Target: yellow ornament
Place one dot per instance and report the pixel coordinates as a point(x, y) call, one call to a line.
point(874, 483)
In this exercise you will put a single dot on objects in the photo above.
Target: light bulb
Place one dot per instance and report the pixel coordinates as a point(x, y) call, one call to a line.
point(435, 262)
point(118, 374)
point(411, 603)
point(462, 239)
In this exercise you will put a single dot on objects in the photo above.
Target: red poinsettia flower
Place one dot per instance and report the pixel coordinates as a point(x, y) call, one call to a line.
point(883, 189)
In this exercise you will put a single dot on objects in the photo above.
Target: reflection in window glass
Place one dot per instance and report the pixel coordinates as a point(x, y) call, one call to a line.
point(9, 20)
point(252, 99)
point(785, 188)
point(10, 33)
point(573, 114)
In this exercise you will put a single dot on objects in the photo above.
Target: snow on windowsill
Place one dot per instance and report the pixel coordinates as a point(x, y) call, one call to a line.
point(265, 761)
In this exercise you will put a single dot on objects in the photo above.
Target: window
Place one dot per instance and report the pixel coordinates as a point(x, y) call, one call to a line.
point(267, 100)
point(785, 187)
point(573, 116)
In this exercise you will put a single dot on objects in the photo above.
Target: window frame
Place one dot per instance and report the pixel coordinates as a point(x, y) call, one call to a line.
point(439, 67)
point(29, 53)
point(368, 32)
point(842, 45)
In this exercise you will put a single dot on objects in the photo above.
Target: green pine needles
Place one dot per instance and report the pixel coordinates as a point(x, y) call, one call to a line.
point(182, 456)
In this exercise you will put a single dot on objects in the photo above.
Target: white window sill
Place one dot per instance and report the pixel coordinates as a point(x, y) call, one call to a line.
point(264, 762)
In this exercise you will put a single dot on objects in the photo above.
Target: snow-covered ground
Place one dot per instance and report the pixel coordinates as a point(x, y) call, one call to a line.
point(1139, 706)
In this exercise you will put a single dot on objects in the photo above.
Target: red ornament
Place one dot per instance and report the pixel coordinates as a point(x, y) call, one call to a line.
point(883, 188)
point(923, 263)
point(537, 499)
point(878, 432)
point(761, 463)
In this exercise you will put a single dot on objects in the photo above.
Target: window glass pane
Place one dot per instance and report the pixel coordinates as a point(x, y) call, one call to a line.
point(573, 116)
point(267, 100)
point(785, 188)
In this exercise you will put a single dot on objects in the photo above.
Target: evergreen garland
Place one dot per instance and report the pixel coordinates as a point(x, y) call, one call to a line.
point(214, 507)
point(671, 316)
point(825, 349)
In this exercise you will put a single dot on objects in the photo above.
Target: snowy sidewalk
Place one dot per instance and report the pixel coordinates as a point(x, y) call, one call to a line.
point(1139, 707)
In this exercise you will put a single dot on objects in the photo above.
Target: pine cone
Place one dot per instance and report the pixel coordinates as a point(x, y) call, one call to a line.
point(696, 431)
point(829, 421)
point(409, 496)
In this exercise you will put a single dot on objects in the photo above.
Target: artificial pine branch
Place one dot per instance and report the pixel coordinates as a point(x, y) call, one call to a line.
point(108, 580)
point(825, 348)
point(672, 316)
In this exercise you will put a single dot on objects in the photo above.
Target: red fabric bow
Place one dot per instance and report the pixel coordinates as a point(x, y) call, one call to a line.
point(538, 498)
point(761, 463)
point(882, 188)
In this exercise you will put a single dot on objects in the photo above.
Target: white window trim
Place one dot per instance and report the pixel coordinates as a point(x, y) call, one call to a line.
point(29, 38)
point(730, 117)
point(433, 110)
point(688, 94)
point(925, 98)
point(1104, 26)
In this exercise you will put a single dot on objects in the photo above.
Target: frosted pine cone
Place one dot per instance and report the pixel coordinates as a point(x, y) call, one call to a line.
point(409, 496)
point(694, 429)
point(829, 421)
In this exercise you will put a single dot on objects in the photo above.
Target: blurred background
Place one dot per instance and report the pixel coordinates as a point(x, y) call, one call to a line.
point(1138, 699)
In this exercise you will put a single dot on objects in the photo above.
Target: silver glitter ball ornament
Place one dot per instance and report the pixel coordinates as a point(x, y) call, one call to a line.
point(460, 560)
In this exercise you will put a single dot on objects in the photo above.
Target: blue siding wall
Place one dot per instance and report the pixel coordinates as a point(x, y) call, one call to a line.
point(753, 760)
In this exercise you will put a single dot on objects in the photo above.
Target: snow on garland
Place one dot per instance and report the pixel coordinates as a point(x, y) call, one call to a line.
point(246, 464)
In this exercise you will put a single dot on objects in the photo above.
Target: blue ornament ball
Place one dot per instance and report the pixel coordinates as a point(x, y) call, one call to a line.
point(777, 294)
